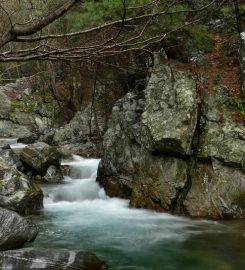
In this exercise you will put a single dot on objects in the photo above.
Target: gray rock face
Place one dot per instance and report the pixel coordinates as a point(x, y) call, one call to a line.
point(10, 157)
point(217, 191)
point(15, 230)
point(10, 129)
point(20, 113)
point(17, 192)
point(39, 156)
point(221, 137)
point(170, 114)
point(5, 104)
point(77, 130)
point(156, 155)
point(49, 259)
point(87, 150)
point(158, 181)
point(163, 120)
point(121, 147)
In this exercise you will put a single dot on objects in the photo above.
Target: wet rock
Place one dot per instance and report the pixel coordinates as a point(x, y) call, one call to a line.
point(86, 150)
point(217, 191)
point(28, 139)
point(53, 175)
point(39, 157)
point(65, 169)
point(158, 182)
point(170, 115)
point(17, 192)
point(10, 157)
point(15, 230)
point(49, 259)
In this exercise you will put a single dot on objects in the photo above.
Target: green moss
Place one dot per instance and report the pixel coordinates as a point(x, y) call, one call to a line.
point(30, 104)
point(239, 103)
point(26, 104)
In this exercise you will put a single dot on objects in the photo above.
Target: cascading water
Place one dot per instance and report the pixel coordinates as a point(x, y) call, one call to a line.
point(78, 215)
point(80, 185)
point(17, 147)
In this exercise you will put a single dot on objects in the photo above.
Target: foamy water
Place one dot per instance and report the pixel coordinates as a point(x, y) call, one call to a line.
point(78, 215)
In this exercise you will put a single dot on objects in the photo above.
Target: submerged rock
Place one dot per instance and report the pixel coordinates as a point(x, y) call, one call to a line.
point(15, 230)
point(49, 259)
point(39, 156)
point(17, 192)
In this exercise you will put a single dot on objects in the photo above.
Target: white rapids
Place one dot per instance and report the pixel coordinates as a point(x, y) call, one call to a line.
point(82, 203)
point(78, 215)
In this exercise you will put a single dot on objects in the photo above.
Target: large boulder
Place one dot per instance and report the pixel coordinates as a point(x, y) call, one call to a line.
point(170, 115)
point(49, 259)
point(15, 230)
point(221, 138)
point(39, 156)
point(10, 129)
point(160, 157)
point(10, 157)
point(78, 129)
point(86, 150)
point(162, 119)
point(159, 182)
point(17, 192)
point(217, 191)
point(53, 175)
point(121, 146)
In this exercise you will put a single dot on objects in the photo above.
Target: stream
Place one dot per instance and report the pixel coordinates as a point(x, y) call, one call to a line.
point(78, 215)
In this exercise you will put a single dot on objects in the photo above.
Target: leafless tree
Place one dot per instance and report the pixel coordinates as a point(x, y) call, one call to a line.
point(32, 37)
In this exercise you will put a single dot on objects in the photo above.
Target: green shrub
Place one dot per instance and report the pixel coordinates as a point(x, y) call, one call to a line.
point(239, 103)
point(200, 38)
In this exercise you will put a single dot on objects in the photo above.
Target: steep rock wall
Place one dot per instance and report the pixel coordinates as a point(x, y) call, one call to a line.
point(162, 153)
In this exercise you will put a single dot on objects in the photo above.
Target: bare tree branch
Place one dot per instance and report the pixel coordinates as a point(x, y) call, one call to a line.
point(32, 28)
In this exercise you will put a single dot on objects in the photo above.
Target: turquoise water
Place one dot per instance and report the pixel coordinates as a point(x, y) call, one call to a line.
point(78, 215)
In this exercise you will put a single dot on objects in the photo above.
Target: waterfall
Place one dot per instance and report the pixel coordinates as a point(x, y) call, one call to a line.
point(81, 184)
